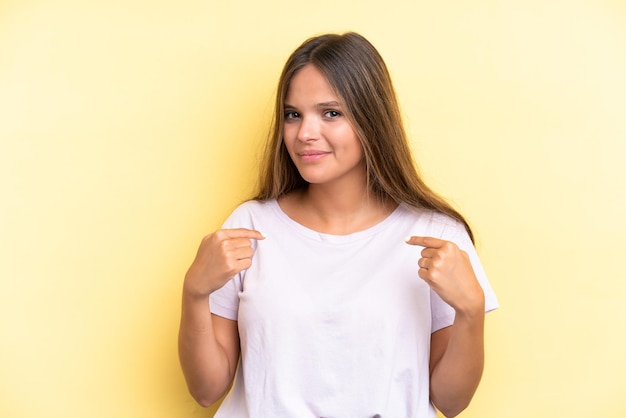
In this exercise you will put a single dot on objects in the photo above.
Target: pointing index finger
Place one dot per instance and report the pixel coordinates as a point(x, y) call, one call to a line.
point(429, 242)
point(244, 233)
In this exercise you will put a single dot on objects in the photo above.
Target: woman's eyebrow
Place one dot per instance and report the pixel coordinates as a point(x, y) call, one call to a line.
point(328, 104)
point(333, 103)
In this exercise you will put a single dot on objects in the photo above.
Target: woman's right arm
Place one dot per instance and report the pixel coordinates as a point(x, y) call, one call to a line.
point(208, 345)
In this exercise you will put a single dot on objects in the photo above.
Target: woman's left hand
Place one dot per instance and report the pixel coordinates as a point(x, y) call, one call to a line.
point(448, 271)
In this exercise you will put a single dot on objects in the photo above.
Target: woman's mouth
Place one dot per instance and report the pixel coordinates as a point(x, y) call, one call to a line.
point(311, 156)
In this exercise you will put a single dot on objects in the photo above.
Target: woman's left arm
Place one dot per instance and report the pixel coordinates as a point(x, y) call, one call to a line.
point(457, 352)
point(456, 363)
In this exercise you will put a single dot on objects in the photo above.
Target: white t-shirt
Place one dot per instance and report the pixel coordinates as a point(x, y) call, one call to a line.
point(336, 326)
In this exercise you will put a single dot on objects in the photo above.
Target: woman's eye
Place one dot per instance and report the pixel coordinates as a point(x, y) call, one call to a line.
point(332, 114)
point(291, 115)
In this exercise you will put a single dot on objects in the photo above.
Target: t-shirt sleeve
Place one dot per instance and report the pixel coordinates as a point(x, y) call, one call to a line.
point(442, 313)
point(224, 302)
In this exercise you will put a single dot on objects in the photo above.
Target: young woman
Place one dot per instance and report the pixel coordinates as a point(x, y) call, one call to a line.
point(346, 287)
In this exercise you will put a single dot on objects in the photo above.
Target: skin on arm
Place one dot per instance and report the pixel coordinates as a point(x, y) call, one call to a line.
point(208, 348)
point(457, 352)
point(208, 345)
point(456, 365)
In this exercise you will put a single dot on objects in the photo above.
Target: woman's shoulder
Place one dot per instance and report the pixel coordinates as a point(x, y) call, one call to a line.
point(244, 214)
point(428, 215)
point(432, 222)
point(254, 207)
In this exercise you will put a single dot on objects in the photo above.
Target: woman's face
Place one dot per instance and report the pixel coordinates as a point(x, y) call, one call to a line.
point(318, 136)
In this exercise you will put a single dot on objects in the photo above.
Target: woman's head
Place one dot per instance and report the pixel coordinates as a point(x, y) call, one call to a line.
point(358, 75)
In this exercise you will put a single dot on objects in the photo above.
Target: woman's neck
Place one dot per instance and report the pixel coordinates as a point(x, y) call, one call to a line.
point(337, 212)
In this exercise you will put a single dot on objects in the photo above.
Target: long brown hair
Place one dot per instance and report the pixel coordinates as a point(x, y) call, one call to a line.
point(358, 75)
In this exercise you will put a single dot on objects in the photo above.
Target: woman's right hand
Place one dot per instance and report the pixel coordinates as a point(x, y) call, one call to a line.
point(208, 344)
point(221, 255)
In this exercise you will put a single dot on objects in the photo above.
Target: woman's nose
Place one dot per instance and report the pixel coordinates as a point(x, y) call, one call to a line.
point(309, 129)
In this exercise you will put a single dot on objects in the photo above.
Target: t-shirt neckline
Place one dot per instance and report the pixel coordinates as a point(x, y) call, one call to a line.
point(336, 239)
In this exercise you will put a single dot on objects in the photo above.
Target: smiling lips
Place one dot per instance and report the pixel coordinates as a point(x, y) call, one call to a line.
point(312, 155)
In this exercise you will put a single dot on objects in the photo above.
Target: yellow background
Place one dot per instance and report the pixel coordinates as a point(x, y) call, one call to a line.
point(129, 129)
